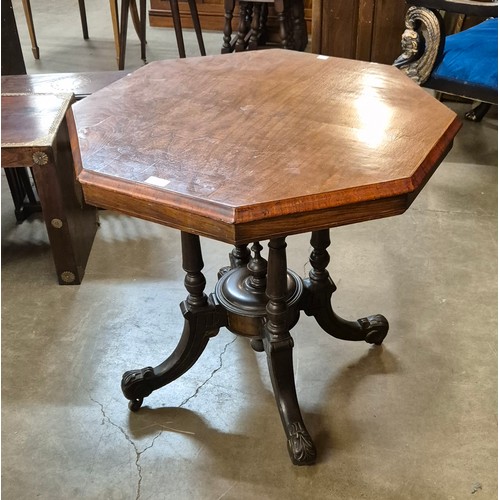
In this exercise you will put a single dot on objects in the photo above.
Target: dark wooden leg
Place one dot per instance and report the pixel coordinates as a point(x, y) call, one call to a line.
point(123, 32)
point(142, 28)
point(23, 194)
point(228, 30)
point(139, 22)
point(240, 45)
point(299, 26)
point(478, 113)
point(263, 35)
point(202, 320)
point(136, 19)
point(197, 26)
point(279, 6)
point(278, 345)
point(253, 41)
point(83, 19)
point(239, 256)
point(176, 18)
point(71, 224)
point(318, 290)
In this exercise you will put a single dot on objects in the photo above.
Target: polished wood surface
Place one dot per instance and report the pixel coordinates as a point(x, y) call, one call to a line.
point(30, 121)
point(35, 135)
point(294, 143)
point(79, 84)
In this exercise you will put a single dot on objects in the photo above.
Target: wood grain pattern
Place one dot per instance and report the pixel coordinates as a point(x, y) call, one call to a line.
point(31, 120)
point(364, 32)
point(259, 143)
point(79, 84)
point(388, 24)
point(361, 29)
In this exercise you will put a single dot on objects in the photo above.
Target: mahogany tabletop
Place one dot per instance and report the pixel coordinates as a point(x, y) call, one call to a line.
point(259, 144)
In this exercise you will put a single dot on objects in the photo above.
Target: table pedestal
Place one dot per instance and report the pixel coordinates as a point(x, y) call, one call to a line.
point(261, 300)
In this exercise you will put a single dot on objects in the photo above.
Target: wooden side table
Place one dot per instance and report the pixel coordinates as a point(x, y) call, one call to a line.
point(297, 143)
point(35, 134)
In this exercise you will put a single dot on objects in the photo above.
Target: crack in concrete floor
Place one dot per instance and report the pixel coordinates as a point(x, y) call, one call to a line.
point(139, 453)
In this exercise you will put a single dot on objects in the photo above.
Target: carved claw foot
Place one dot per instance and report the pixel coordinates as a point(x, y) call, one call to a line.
point(300, 445)
point(375, 328)
point(136, 385)
point(478, 113)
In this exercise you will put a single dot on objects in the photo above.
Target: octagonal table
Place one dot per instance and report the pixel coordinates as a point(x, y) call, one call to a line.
point(258, 146)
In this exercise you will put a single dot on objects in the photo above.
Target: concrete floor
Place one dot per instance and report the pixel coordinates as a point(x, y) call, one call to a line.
point(414, 419)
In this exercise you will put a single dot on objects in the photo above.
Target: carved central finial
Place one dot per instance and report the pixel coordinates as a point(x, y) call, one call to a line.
point(258, 269)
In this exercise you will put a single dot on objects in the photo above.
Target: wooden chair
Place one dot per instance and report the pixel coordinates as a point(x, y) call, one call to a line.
point(252, 28)
point(136, 20)
point(120, 23)
point(141, 24)
point(31, 27)
point(464, 64)
point(113, 5)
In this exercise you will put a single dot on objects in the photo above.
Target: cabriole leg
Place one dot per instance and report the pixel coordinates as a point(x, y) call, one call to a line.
point(278, 345)
point(317, 300)
point(202, 320)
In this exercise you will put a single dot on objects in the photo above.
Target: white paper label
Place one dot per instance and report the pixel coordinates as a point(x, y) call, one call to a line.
point(156, 181)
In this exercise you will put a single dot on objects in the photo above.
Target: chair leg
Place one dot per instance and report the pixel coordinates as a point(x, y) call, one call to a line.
point(240, 45)
point(279, 6)
point(299, 26)
point(113, 7)
point(136, 16)
point(228, 29)
point(123, 33)
point(23, 195)
point(31, 28)
point(176, 17)
point(197, 26)
point(83, 18)
point(263, 37)
point(253, 41)
point(142, 35)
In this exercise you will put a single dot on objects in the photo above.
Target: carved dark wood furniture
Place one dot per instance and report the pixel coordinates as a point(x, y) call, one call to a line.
point(253, 20)
point(34, 134)
point(341, 144)
point(463, 64)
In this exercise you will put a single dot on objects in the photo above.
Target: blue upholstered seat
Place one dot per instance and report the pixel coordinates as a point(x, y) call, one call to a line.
point(471, 56)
